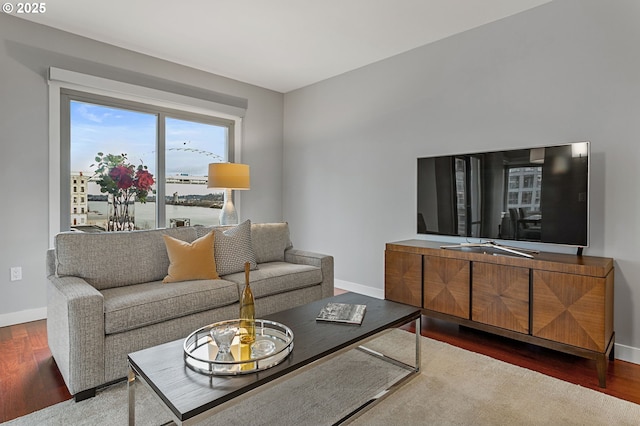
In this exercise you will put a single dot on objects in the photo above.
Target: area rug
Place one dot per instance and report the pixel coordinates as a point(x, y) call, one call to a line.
point(455, 387)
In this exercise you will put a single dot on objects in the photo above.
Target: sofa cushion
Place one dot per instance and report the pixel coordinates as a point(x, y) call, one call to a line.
point(270, 240)
point(190, 261)
point(278, 277)
point(233, 249)
point(135, 306)
point(114, 259)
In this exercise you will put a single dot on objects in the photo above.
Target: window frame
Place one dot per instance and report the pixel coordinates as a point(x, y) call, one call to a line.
point(63, 83)
point(161, 113)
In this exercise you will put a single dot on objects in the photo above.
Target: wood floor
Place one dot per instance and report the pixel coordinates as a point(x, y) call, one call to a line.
point(623, 378)
point(30, 380)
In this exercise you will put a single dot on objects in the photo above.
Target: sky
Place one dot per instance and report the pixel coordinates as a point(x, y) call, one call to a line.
point(190, 145)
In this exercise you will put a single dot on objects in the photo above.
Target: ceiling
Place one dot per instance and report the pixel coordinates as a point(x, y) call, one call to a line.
point(281, 45)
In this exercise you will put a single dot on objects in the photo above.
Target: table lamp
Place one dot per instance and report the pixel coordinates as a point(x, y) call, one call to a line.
point(228, 176)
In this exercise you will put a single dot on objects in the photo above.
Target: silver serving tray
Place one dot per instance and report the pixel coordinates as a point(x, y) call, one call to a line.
point(200, 351)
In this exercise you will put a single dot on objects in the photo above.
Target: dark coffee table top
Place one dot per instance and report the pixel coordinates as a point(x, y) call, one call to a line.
point(188, 393)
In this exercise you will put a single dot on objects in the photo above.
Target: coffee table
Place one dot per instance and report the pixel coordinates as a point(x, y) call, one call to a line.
point(191, 396)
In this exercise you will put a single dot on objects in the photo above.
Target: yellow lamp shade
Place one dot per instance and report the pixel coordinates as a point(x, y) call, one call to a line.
point(229, 176)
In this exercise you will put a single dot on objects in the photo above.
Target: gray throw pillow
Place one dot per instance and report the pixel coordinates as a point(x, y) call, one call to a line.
point(270, 240)
point(232, 248)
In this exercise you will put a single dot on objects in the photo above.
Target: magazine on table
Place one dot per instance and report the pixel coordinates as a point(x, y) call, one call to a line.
point(346, 313)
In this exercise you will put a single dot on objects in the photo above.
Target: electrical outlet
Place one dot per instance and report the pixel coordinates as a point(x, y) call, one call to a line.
point(16, 273)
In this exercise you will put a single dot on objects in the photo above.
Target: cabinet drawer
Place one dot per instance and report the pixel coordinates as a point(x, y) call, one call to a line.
point(501, 296)
point(446, 286)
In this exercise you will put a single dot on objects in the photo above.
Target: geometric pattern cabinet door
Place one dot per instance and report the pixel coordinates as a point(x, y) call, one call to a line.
point(501, 296)
point(446, 286)
point(403, 277)
point(573, 309)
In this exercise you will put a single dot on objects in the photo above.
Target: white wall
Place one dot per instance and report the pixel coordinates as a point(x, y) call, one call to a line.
point(565, 71)
point(27, 50)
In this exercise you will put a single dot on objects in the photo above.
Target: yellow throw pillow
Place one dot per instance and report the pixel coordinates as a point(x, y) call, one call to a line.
point(190, 261)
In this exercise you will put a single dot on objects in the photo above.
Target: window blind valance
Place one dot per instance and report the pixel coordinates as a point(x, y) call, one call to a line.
point(154, 89)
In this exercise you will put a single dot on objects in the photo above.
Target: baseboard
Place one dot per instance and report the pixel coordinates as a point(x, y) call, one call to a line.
point(627, 353)
point(359, 288)
point(23, 316)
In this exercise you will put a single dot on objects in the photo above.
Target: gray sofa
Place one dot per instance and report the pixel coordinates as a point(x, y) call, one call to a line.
point(106, 298)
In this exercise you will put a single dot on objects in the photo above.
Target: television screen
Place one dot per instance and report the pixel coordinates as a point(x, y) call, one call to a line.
point(536, 194)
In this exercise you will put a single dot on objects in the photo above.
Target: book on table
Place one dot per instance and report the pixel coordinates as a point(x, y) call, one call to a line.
point(347, 313)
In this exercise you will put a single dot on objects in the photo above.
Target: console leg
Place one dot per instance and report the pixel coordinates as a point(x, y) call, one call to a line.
point(601, 365)
point(612, 355)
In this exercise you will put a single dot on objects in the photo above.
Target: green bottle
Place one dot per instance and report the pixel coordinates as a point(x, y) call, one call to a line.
point(247, 311)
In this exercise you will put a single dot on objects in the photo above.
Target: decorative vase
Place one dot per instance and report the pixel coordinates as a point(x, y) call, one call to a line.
point(247, 311)
point(121, 214)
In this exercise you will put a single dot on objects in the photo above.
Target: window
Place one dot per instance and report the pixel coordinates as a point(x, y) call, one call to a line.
point(176, 146)
point(514, 182)
point(524, 187)
point(528, 181)
point(190, 147)
point(513, 198)
point(461, 191)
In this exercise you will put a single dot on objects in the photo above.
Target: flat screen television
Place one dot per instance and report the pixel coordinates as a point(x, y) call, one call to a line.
point(538, 194)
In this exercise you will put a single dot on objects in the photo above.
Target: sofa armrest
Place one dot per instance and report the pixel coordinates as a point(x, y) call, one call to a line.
point(322, 261)
point(75, 329)
point(51, 262)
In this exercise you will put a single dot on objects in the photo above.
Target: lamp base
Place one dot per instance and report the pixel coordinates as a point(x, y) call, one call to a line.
point(228, 214)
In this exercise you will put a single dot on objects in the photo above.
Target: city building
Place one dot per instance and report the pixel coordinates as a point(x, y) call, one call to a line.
point(79, 201)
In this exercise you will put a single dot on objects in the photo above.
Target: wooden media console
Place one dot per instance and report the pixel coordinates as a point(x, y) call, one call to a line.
point(558, 301)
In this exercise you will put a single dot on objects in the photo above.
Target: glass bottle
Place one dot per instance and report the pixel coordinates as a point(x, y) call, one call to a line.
point(247, 311)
